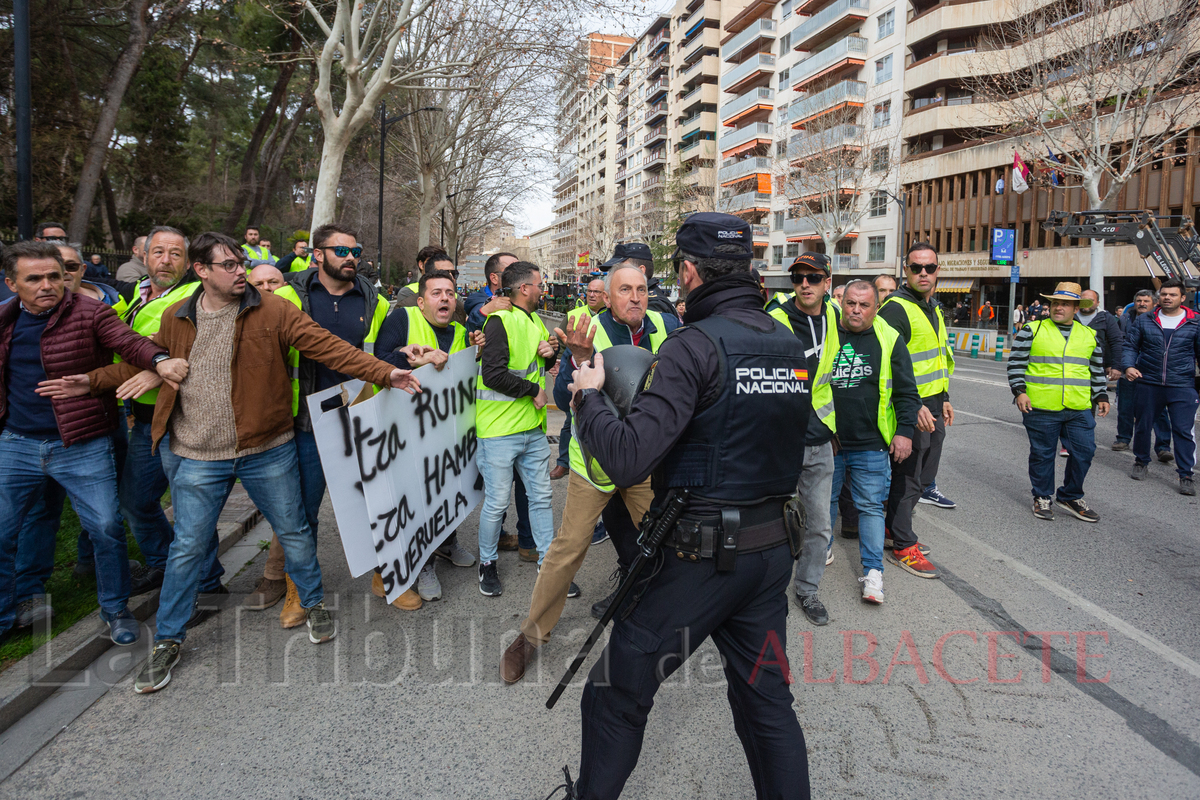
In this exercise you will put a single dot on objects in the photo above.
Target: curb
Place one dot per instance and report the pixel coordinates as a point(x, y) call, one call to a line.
point(30, 681)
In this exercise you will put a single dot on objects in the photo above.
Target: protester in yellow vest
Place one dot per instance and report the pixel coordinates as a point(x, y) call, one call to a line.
point(426, 334)
point(347, 305)
point(589, 490)
point(812, 317)
point(298, 260)
point(256, 253)
point(596, 302)
point(266, 278)
point(915, 314)
point(875, 400)
point(1056, 373)
point(510, 417)
point(143, 481)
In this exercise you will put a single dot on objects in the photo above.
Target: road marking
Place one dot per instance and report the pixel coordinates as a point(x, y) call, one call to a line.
point(981, 380)
point(958, 411)
point(958, 369)
point(1144, 639)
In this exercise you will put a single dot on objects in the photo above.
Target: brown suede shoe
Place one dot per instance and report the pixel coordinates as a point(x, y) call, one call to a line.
point(407, 601)
point(527, 555)
point(267, 594)
point(292, 614)
point(518, 654)
point(508, 541)
point(559, 471)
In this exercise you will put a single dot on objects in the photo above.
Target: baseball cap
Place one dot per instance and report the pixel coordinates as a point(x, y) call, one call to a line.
point(703, 231)
point(810, 259)
point(628, 250)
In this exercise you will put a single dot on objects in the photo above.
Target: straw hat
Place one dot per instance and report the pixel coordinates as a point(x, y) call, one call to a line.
point(1072, 292)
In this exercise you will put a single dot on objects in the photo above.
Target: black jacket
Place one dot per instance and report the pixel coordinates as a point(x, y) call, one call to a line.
point(895, 315)
point(1109, 337)
point(657, 298)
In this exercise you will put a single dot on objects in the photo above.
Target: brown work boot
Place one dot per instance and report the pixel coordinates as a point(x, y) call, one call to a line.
point(508, 541)
point(518, 654)
point(292, 614)
point(527, 555)
point(266, 594)
point(407, 601)
point(558, 471)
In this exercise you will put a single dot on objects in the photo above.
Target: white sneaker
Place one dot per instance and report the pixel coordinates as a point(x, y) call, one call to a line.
point(829, 556)
point(872, 591)
point(428, 585)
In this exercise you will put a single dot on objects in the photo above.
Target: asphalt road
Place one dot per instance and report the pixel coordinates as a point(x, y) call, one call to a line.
point(410, 705)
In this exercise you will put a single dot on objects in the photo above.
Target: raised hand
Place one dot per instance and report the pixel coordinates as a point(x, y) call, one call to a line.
point(578, 337)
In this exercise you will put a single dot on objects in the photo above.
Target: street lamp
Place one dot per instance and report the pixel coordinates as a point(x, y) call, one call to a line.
point(384, 124)
point(903, 223)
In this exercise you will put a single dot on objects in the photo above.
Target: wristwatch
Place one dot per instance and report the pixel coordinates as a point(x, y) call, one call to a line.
point(589, 392)
point(160, 358)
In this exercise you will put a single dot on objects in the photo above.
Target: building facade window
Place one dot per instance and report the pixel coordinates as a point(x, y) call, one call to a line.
point(778, 220)
point(878, 206)
point(783, 77)
point(886, 23)
point(785, 44)
point(880, 159)
point(883, 69)
point(876, 248)
point(883, 114)
point(793, 249)
point(777, 255)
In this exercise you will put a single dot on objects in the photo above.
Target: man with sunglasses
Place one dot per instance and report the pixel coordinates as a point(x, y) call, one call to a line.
point(812, 316)
point(344, 303)
point(915, 314)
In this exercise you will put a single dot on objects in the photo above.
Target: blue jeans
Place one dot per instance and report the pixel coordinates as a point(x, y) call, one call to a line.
point(1045, 429)
point(143, 483)
point(562, 399)
point(88, 472)
point(199, 490)
point(1127, 416)
point(870, 479)
point(312, 477)
point(527, 454)
point(1179, 403)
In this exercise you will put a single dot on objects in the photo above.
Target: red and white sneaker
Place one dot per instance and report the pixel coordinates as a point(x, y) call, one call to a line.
point(913, 560)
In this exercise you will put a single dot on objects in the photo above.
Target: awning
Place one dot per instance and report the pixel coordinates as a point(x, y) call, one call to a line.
point(955, 285)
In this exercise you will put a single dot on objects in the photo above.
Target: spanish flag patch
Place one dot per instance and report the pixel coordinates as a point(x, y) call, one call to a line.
point(801, 374)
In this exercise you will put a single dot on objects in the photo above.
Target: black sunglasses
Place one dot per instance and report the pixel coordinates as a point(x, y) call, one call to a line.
point(811, 278)
point(917, 269)
point(341, 251)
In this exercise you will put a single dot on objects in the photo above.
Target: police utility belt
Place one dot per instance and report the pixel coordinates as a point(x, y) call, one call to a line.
point(741, 529)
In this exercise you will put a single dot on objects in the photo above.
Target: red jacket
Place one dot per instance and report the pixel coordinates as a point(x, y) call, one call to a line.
point(81, 336)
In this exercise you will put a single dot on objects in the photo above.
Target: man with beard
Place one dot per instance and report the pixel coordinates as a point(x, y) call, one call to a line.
point(343, 303)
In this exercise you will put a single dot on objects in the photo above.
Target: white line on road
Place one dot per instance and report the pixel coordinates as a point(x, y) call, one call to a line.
point(958, 411)
point(981, 380)
point(1141, 637)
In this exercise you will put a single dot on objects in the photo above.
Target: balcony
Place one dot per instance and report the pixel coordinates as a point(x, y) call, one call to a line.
point(703, 93)
point(707, 39)
point(624, 93)
point(660, 38)
point(957, 114)
point(656, 112)
point(828, 22)
point(759, 101)
point(565, 182)
point(705, 120)
point(623, 114)
point(697, 148)
point(656, 89)
point(652, 181)
point(656, 159)
point(706, 67)
point(619, 194)
point(622, 134)
point(837, 136)
point(656, 66)
point(654, 135)
point(754, 10)
point(757, 69)
point(750, 135)
point(622, 154)
point(740, 170)
point(760, 32)
point(850, 51)
point(620, 176)
point(948, 16)
point(843, 261)
point(747, 201)
point(760, 232)
point(845, 93)
point(797, 228)
point(948, 67)
point(565, 233)
point(564, 218)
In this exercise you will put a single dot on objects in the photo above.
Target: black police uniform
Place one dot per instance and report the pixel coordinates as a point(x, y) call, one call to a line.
point(723, 414)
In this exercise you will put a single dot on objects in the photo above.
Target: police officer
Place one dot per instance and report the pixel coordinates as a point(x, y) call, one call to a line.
point(723, 415)
point(638, 255)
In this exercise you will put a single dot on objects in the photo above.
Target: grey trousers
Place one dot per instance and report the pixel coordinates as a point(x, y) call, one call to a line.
point(814, 489)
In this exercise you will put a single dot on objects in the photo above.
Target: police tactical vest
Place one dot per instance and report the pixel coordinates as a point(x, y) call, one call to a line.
point(932, 359)
point(421, 332)
point(146, 319)
point(822, 395)
point(1059, 373)
point(497, 414)
point(748, 445)
point(595, 475)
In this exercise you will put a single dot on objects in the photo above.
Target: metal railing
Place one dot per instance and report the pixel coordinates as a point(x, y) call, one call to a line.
point(819, 141)
point(743, 201)
point(757, 130)
point(818, 21)
point(762, 62)
point(838, 93)
point(761, 94)
point(740, 169)
point(759, 28)
point(850, 46)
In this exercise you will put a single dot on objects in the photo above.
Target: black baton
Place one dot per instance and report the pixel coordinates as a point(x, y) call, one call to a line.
point(650, 541)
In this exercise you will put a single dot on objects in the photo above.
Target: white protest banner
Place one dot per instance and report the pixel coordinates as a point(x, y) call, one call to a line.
point(411, 460)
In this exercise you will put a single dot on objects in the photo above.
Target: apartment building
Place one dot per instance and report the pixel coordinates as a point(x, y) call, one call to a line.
point(811, 94)
point(956, 157)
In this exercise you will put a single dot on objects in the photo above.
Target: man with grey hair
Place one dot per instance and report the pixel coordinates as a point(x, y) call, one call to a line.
point(134, 269)
point(636, 254)
point(1143, 302)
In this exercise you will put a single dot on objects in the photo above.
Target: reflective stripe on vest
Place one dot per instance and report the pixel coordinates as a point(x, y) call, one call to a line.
point(1059, 373)
point(822, 394)
point(497, 414)
point(594, 473)
point(932, 359)
point(147, 319)
point(421, 332)
point(259, 253)
point(381, 311)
